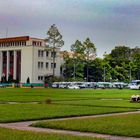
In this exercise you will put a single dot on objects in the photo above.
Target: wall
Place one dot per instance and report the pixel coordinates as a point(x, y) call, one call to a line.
point(26, 63)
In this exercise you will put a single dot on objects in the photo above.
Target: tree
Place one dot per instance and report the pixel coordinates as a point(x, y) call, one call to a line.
point(135, 54)
point(77, 59)
point(3, 79)
point(10, 78)
point(82, 54)
point(28, 80)
point(95, 70)
point(125, 63)
point(53, 41)
point(67, 67)
point(76, 62)
point(89, 49)
point(89, 53)
point(78, 50)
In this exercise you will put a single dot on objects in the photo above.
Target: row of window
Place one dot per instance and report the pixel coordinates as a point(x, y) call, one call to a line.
point(37, 43)
point(17, 43)
point(20, 43)
point(40, 78)
point(42, 64)
point(41, 53)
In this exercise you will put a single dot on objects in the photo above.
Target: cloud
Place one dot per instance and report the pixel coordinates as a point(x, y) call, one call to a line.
point(107, 22)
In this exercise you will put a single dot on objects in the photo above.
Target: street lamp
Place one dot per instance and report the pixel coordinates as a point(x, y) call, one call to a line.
point(104, 73)
point(74, 61)
point(87, 74)
point(54, 41)
point(130, 73)
point(74, 69)
point(110, 79)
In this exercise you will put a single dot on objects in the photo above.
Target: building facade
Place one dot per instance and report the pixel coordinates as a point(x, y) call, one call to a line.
point(23, 57)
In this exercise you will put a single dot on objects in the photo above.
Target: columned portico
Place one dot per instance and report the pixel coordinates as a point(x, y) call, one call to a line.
point(10, 64)
point(7, 67)
point(1, 66)
point(15, 65)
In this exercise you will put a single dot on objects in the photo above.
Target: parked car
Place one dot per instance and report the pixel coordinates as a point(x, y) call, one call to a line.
point(2, 86)
point(135, 84)
point(73, 87)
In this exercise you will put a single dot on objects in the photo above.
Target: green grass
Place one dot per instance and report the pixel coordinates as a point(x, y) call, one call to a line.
point(125, 125)
point(102, 103)
point(65, 103)
point(8, 134)
point(30, 95)
point(24, 112)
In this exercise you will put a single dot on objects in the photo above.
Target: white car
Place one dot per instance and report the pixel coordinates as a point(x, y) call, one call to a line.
point(73, 87)
point(135, 84)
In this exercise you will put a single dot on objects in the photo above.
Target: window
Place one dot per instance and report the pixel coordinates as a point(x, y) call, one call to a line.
point(7, 44)
point(53, 54)
point(40, 53)
point(23, 43)
point(47, 53)
point(40, 65)
point(53, 64)
point(16, 43)
point(12, 43)
point(40, 78)
point(34, 43)
point(47, 65)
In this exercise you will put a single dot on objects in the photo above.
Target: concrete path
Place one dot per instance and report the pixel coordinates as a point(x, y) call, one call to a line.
point(26, 126)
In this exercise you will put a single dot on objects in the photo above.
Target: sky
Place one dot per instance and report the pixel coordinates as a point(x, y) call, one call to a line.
point(108, 23)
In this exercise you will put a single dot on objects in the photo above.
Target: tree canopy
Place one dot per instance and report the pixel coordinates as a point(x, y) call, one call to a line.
point(122, 64)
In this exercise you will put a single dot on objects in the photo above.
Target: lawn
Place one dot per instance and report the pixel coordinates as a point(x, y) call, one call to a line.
point(102, 103)
point(8, 134)
point(124, 125)
point(64, 103)
point(30, 95)
point(24, 112)
point(30, 104)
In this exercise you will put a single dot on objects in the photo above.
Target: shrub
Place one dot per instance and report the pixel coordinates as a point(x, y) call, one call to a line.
point(48, 101)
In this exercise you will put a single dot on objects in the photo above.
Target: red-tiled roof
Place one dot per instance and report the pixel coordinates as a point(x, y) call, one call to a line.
point(11, 39)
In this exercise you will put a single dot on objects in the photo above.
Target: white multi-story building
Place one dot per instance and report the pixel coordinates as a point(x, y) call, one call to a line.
point(24, 57)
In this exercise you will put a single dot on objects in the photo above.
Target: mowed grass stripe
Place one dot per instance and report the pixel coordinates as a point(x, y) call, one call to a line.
point(24, 112)
point(102, 103)
point(30, 95)
point(8, 134)
point(122, 125)
point(69, 103)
